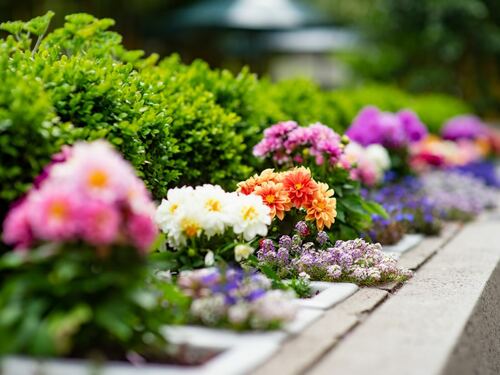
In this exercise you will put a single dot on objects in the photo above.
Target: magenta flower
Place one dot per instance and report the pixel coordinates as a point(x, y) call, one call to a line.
point(142, 230)
point(372, 126)
point(100, 223)
point(414, 129)
point(280, 129)
point(464, 127)
point(17, 230)
point(366, 128)
point(287, 143)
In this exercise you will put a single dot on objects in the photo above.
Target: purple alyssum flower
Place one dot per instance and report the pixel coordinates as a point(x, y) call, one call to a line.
point(355, 261)
point(302, 229)
point(458, 195)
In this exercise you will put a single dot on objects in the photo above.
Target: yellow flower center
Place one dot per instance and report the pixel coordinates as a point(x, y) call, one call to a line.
point(173, 207)
point(298, 186)
point(213, 205)
point(190, 227)
point(98, 179)
point(270, 198)
point(248, 213)
point(58, 210)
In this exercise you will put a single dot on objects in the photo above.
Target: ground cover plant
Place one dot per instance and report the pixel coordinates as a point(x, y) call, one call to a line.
point(310, 253)
point(237, 299)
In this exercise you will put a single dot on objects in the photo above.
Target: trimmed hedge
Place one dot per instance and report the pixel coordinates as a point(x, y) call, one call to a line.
point(81, 84)
point(176, 123)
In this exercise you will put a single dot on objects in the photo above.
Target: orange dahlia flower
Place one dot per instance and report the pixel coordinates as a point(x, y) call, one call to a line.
point(322, 207)
point(300, 186)
point(248, 186)
point(275, 197)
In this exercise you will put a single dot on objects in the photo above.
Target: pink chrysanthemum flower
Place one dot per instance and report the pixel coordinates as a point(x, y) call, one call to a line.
point(97, 170)
point(88, 193)
point(100, 223)
point(53, 213)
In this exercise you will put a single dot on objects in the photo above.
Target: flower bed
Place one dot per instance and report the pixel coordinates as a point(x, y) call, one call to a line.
point(97, 272)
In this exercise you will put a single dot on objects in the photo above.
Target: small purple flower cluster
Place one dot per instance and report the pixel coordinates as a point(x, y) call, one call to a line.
point(484, 170)
point(236, 299)
point(287, 143)
point(345, 261)
point(391, 130)
point(388, 230)
point(458, 196)
point(464, 127)
point(406, 204)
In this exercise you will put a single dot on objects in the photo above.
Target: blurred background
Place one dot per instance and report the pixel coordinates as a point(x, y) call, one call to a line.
point(449, 46)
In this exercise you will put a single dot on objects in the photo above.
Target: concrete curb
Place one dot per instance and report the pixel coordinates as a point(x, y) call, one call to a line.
point(423, 329)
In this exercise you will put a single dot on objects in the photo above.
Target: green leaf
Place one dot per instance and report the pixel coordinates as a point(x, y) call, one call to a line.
point(39, 25)
point(13, 27)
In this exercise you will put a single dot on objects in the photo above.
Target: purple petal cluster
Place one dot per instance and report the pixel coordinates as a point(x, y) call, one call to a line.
point(457, 195)
point(391, 130)
point(409, 210)
point(235, 298)
point(464, 127)
point(288, 143)
point(354, 261)
point(484, 170)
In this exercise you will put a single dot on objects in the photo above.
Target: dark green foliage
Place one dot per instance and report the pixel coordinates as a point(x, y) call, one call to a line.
point(82, 84)
point(74, 302)
point(451, 46)
point(242, 94)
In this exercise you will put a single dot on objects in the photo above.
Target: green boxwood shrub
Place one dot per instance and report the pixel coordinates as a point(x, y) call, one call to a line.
point(303, 101)
point(80, 83)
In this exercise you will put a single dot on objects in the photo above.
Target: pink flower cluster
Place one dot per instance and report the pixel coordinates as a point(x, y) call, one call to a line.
point(288, 143)
point(391, 130)
point(88, 193)
point(366, 164)
point(434, 152)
